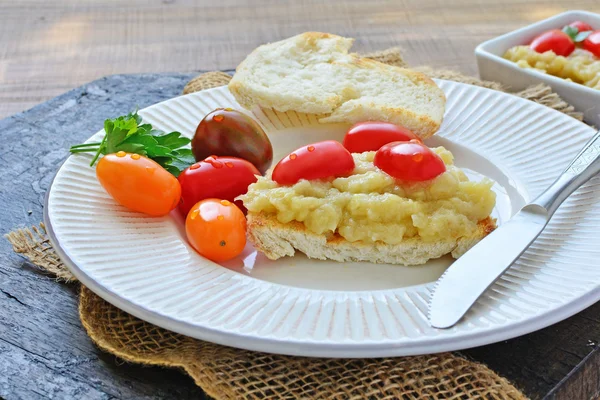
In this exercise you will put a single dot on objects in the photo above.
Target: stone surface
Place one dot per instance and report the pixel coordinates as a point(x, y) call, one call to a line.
point(44, 350)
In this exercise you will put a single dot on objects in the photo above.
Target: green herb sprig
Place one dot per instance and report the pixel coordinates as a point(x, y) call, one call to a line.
point(128, 134)
point(575, 35)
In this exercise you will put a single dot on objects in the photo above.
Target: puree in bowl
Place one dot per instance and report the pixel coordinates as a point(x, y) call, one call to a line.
point(580, 66)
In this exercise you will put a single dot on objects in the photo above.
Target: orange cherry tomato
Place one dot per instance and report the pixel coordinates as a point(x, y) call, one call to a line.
point(370, 136)
point(139, 183)
point(409, 161)
point(556, 40)
point(216, 229)
point(592, 43)
point(315, 161)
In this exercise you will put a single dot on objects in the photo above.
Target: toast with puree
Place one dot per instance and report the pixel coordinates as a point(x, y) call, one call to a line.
point(364, 213)
point(370, 216)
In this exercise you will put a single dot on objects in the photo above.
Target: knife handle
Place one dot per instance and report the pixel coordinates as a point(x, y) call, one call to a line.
point(580, 170)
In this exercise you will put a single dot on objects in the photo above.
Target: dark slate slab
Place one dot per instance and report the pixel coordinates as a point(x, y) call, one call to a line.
point(44, 351)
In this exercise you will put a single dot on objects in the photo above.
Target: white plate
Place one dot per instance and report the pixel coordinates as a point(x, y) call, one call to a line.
point(313, 308)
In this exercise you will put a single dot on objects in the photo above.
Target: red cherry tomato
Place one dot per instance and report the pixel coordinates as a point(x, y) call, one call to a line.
point(581, 26)
point(215, 177)
point(216, 229)
point(370, 136)
point(315, 161)
point(556, 40)
point(409, 161)
point(138, 183)
point(592, 43)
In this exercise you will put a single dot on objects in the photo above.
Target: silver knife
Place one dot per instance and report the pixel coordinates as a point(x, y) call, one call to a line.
point(466, 280)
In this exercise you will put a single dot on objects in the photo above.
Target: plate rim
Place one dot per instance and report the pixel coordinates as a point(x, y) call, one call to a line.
point(326, 348)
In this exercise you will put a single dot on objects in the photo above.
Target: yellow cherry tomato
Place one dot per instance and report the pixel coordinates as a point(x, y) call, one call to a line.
point(216, 229)
point(139, 183)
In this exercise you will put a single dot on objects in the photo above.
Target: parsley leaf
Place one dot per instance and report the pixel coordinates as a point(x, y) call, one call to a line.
point(178, 160)
point(581, 36)
point(172, 140)
point(571, 31)
point(128, 134)
point(575, 35)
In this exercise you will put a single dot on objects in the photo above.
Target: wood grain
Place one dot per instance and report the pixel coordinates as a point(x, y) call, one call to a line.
point(50, 46)
point(559, 362)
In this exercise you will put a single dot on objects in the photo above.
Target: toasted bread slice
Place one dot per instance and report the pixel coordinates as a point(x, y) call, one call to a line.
point(313, 73)
point(278, 240)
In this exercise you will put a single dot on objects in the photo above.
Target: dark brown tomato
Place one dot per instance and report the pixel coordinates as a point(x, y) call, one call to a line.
point(227, 132)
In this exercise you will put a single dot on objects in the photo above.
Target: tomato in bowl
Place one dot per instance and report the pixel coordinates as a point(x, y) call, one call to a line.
point(494, 67)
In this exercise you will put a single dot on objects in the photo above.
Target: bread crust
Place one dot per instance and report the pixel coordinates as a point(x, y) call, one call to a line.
point(277, 240)
point(314, 73)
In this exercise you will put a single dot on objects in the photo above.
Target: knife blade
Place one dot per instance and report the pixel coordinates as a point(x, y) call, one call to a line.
point(475, 271)
point(457, 291)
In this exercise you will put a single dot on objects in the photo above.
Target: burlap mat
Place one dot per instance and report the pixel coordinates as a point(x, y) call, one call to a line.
point(228, 373)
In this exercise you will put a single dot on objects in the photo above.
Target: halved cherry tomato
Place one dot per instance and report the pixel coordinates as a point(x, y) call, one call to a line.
point(409, 161)
point(138, 183)
point(556, 40)
point(581, 26)
point(216, 229)
point(370, 136)
point(592, 43)
point(315, 161)
point(227, 132)
point(215, 177)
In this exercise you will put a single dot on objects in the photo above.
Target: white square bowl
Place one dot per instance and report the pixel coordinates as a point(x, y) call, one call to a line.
point(493, 67)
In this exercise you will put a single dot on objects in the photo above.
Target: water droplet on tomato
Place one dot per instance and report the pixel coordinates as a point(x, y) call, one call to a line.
point(229, 164)
point(194, 214)
point(311, 148)
point(218, 118)
point(417, 157)
point(195, 166)
point(121, 154)
point(211, 160)
point(220, 218)
point(225, 202)
point(293, 156)
point(150, 170)
point(135, 156)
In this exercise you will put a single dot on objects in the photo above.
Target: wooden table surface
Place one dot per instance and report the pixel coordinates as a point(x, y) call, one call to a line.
point(50, 46)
